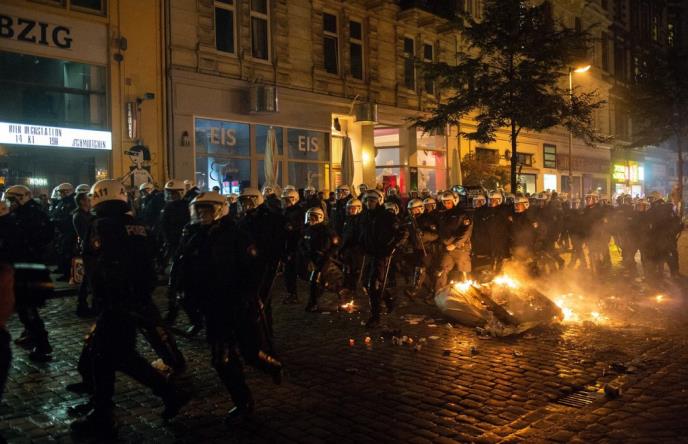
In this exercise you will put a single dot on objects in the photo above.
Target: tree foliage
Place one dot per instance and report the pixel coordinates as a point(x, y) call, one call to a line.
point(478, 172)
point(509, 76)
point(658, 103)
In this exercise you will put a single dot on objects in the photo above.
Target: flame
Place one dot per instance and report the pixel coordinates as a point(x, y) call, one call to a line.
point(349, 307)
point(506, 280)
point(569, 314)
point(464, 286)
point(659, 298)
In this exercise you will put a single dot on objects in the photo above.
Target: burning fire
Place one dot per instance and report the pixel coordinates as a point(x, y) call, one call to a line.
point(464, 286)
point(569, 314)
point(506, 281)
point(349, 307)
point(659, 298)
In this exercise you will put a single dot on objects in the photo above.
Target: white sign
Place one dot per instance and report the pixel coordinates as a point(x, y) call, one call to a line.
point(36, 31)
point(41, 135)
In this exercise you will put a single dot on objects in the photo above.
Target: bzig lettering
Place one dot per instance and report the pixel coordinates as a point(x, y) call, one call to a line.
point(25, 30)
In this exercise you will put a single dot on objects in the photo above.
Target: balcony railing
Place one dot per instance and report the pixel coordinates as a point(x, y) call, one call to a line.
point(443, 8)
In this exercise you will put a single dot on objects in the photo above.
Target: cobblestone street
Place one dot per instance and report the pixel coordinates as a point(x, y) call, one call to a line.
point(447, 386)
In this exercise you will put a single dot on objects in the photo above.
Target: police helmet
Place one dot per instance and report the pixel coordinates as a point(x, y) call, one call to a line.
point(415, 204)
point(642, 205)
point(343, 191)
point(107, 190)
point(479, 201)
point(353, 207)
point(496, 198)
point(309, 191)
point(174, 185)
point(250, 198)
point(209, 199)
point(374, 194)
point(18, 194)
point(363, 188)
point(429, 202)
point(188, 184)
point(314, 216)
point(289, 187)
point(521, 203)
point(449, 196)
point(392, 191)
point(291, 196)
point(65, 189)
point(83, 188)
point(392, 207)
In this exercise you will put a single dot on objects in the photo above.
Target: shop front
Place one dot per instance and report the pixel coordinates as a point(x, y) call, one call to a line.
point(588, 174)
point(54, 120)
point(629, 178)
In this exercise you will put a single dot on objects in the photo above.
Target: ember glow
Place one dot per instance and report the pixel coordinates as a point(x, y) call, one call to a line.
point(506, 281)
point(659, 298)
point(464, 286)
point(569, 314)
point(349, 307)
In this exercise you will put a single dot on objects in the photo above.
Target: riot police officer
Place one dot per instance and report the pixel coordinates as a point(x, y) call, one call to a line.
point(32, 281)
point(350, 251)
point(294, 218)
point(338, 213)
point(152, 203)
point(480, 237)
point(62, 220)
point(267, 229)
point(317, 247)
point(123, 280)
point(455, 236)
point(81, 219)
point(173, 219)
point(227, 297)
point(422, 235)
point(380, 236)
point(524, 234)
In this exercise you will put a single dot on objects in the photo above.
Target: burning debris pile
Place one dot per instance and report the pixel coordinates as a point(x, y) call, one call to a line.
point(501, 307)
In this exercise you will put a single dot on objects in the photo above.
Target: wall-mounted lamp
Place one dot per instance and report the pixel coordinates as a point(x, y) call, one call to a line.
point(186, 140)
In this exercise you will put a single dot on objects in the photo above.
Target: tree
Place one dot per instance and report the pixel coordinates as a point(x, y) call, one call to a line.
point(478, 172)
point(658, 104)
point(509, 76)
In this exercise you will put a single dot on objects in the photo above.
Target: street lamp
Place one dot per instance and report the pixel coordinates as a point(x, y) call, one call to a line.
point(580, 69)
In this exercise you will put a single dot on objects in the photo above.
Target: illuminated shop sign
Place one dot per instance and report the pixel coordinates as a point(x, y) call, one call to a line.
point(41, 135)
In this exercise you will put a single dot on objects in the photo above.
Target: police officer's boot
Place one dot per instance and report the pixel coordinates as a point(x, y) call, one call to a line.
point(98, 423)
point(312, 306)
point(24, 340)
point(418, 275)
point(42, 351)
point(172, 308)
point(240, 411)
point(375, 300)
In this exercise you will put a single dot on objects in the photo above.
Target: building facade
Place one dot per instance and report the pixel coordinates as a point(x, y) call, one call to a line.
point(82, 84)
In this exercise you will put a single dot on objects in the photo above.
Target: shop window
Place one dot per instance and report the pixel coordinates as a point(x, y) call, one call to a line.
point(330, 43)
point(89, 5)
point(262, 137)
point(220, 137)
point(550, 182)
point(260, 29)
point(524, 159)
point(487, 155)
point(526, 183)
point(388, 156)
point(308, 145)
point(549, 155)
point(386, 137)
point(430, 141)
point(409, 63)
point(228, 174)
point(391, 177)
point(261, 173)
point(432, 178)
point(356, 49)
point(428, 57)
point(61, 93)
point(224, 26)
point(303, 174)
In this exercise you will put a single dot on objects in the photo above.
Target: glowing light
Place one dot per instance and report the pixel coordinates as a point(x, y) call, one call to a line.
point(463, 286)
point(349, 307)
point(506, 281)
point(365, 157)
point(569, 314)
point(659, 298)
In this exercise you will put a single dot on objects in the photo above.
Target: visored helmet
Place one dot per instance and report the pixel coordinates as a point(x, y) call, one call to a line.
point(207, 207)
point(449, 196)
point(314, 216)
point(415, 206)
point(392, 207)
point(430, 204)
point(290, 197)
point(65, 189)
point(479, 201)
point(108, 190)
point(250, 198)
point(354, 207)
point(83, 188)
point(18, 194)
point(521, 204)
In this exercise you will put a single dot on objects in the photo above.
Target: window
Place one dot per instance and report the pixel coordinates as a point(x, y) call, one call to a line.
point(330, 43)
point(356, 49)
point(605, 51)
point(671, 34)
point(524, 159)
point(526, 183)
point(223, 151)
point(549, 156)
point(224, 26)
point(655, 28)
point(260, 32)
point(550, 182)
point(309, 155)
point(487, 155)
point(91, 5)
point(409, 64)
point(46, 91)
point(428, 57)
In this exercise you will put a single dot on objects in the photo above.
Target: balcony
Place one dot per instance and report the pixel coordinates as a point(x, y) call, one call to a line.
point(442, 8)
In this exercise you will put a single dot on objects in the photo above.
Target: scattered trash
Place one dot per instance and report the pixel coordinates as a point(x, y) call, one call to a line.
point(618, 367)
point(422, 341)
point(352, 342)
point(612, 390)
point(434, 338)
point(449, 325)
point(432, 325)
point(517, 354)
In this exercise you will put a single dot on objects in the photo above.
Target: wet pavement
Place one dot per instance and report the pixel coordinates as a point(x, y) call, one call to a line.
point(442, 384)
